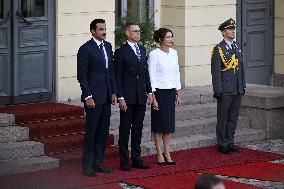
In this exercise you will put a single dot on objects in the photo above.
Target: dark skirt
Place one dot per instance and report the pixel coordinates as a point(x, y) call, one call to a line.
point(163, 120)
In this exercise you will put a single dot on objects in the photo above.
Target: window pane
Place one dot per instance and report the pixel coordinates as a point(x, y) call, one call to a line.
point(142, 9)
point(1, 8)
point(133, 8)
point(32, 8)
point(117, 10)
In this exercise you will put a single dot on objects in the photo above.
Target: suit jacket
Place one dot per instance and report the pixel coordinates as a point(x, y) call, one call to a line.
point(231, 81)
point(132, 76)
point(94, 78)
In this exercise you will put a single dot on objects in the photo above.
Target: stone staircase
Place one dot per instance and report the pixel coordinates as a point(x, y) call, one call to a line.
point(17, 153)
point(195, 124)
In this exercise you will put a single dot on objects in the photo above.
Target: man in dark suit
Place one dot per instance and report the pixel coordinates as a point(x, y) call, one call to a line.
point(97, 81)
point(228, 78)
point(133, 87)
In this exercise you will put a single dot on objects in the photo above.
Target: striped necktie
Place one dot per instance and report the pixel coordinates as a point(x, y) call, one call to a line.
point(138, 54)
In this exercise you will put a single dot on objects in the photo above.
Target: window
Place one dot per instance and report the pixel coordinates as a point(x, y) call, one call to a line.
point(33, 8)
point(142, 9)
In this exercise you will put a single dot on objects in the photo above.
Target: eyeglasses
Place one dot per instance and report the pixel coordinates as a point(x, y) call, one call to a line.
point(136, 31)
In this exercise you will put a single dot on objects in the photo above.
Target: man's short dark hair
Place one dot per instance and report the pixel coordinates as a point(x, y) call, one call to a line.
point(207, 181)
point(128, 24)
point(93, 25)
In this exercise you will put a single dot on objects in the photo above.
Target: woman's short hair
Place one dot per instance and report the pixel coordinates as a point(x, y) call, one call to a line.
point(207, 181)
point(160, 34)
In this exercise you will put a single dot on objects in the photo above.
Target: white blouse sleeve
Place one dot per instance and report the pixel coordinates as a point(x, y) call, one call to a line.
point(152, 67)
point(178, 84)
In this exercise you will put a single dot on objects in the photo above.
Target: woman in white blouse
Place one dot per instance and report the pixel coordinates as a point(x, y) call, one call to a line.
point(165, 82)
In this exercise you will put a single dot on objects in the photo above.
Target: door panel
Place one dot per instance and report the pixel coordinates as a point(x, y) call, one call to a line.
point(5, 52)
point(257, 41)
point(33, 48)
point(27, 51)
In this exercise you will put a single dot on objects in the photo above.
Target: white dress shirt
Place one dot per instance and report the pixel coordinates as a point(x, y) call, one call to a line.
point(164, 69)
point(229, 43)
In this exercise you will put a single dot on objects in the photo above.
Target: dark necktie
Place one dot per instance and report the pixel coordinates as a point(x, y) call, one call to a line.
point(103, 53)
point(234, 47)
point(138, 54)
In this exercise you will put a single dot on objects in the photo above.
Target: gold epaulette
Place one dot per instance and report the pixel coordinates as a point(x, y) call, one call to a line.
point(212, 52)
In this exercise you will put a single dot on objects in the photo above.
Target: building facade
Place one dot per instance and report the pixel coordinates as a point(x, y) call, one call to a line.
point(39, 40)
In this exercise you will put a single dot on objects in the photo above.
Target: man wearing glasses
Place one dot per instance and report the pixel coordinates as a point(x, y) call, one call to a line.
point(134, 90)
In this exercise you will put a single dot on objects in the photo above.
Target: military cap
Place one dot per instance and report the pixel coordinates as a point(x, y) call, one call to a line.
point(227, 24)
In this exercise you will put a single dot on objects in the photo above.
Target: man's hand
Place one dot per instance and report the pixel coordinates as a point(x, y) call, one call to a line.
point(178, 101)
point(218, 96)
point(122, 105)
point(113, 99)
point(90, 103)
point(150, 99)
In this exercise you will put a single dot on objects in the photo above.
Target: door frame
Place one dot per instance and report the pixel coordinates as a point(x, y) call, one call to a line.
point(239, 19)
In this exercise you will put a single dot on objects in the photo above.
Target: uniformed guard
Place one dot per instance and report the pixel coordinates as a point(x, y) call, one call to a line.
point(228, 79)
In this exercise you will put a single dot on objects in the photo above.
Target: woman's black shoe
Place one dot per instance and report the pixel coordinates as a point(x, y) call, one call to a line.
point(168, 162)
point(160, 163)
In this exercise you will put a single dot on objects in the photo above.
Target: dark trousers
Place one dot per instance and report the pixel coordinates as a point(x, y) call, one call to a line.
point(227, 116)
point(132, 120)
point(96, 134)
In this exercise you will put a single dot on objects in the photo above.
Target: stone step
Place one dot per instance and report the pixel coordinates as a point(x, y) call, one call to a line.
point(202, 140)
point(6, 119)
point(187, 127)
point(185, 112)
point(8, 167)
point(13, 134)
point(191, 95)
point(18, 150)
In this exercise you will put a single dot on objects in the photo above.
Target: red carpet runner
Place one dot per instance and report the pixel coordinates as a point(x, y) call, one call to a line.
point(188, 160)
point(182, 180)
point(261, 171)
point(58, 126)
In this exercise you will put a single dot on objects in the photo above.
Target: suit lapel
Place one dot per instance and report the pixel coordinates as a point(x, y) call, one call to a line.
point(132, 52)
point(98, 52)
point(143, 57)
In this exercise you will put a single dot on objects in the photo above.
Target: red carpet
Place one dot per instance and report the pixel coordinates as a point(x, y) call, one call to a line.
point(104, 186)
point(58, 126)
point(75, 156)
point(42, 111)
point(182, 180)
point(187, 160)
point(260, 171)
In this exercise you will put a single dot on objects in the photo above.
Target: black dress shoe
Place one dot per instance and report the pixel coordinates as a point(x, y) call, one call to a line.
point(233, 148)
point(224, 150)
point(102, 169)
point(88, 172)
point(168, 162)
point(125, 167)
point(140, 165)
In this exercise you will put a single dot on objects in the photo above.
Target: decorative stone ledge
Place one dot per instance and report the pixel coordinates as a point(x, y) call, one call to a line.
point(265, 106)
